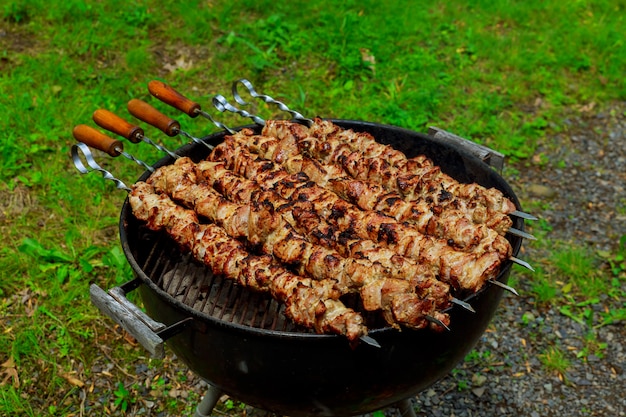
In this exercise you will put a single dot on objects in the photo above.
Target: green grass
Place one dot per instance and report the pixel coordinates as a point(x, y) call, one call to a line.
point(575, 279)
point(501, 73)
point(555, 360)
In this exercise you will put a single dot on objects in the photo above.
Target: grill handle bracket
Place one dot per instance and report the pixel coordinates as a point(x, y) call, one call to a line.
point(492, 158)
point(149, 333)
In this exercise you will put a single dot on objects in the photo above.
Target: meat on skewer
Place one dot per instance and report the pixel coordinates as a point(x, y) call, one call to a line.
point(449, 221)
point(309, 303)
point(261, 226)
point(302, 217)
point(414, 178)
point(355, 141)
point(468, 271)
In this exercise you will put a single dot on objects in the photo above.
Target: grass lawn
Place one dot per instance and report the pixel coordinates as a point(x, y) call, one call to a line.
point(501, 73)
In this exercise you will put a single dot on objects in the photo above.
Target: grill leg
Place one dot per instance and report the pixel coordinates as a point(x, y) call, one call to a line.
point(406, 408)
point(208, 402)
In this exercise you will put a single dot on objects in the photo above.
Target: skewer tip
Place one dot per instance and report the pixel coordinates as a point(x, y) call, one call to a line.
point(523, 215)
point(521, 234)
point(437, 322)
point(463, 304)
point(506, 287)
point(522, 263)
point(370, 341)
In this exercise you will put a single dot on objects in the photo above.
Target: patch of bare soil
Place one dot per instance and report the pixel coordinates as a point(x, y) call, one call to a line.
point(12, 202)
point(15, 39)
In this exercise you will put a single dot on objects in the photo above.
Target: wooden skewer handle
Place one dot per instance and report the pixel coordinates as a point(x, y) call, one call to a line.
point(168, 95)
point(143, 111)
point(113, 123)
point(97, 140)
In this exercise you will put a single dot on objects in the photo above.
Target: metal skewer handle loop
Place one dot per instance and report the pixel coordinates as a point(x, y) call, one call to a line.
point(81, 148)
point(222, 104)
point(267, 99)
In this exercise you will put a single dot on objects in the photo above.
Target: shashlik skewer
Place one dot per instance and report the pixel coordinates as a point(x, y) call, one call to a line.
point(304, 219)
point(413, 178)
point(448, 222)
point(301, 216)
point(460, 269)
point(310, 303)
point(249, 166)
point(398, 299)
point(175, 99)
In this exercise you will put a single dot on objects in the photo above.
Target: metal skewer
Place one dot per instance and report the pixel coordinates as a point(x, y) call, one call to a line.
point(267, 99)
point(90, 136)
point(523, 215)
point(454, 300)
point(463, 304)
point(437, 322)
point(115, 124)
point(370, 341)
point(170, 96)
point(522, 263)
point(145, 112)
point(520, 233)
point(506, 287)
point(79, 148)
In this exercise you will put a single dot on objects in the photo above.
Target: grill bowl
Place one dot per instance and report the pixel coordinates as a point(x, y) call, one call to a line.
point(297, 373)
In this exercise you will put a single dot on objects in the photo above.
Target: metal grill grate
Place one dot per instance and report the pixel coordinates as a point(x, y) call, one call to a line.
point(198, 288)
point(194, 285)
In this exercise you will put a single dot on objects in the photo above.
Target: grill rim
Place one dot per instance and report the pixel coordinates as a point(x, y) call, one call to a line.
point(216, 138)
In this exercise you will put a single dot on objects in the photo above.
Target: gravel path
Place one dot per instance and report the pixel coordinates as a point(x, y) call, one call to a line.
point(576, 186)
point(581, 177)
